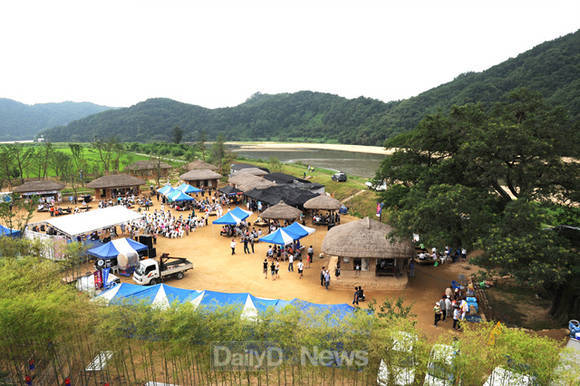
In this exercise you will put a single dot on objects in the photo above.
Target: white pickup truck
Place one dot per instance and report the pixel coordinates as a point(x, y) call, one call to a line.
point(150, 271)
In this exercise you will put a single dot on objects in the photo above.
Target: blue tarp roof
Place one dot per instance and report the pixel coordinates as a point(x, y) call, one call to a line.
point(186, 188)
point(280, 236)
point(178, 195)
point(240, 213)
point(108, 250)
point(8, 232)
point(165, 189)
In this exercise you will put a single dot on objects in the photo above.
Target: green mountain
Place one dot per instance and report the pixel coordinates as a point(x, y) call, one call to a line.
point(20, 121)
point(552, 68)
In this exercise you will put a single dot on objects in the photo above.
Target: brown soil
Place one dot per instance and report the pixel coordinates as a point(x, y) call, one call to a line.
point(216, 269)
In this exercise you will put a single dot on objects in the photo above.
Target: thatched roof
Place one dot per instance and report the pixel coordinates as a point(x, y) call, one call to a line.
point(365, 238)
point(324, 202)
point(148, 165)
point(252, 171)
point(115, 181)
point(281, 211)
point(247, 182)
point(38, 186)
point(200, 174)
point(199, 164)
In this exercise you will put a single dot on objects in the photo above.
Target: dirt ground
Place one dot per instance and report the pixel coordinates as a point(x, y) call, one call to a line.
point(216, 269)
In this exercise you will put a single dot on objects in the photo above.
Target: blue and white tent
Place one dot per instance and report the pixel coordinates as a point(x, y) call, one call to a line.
point(186, 188)
point(8, 232)
point(163, 296)
point(167, 188)
point(280, 237)
point(299, 230)
point(178, 195)
point(233, 217)
point(113, 248)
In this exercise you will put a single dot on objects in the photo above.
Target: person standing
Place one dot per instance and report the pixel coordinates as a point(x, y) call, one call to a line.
point(443, 308)
point(273, 270)
point(233, 246)
point(290, 262)
point(326, 279)
point(265, 268)
point(355, 299)
point(322, 276)
point(277, 269)
point(448, 307)
point(310, 255)
point(252, 240)
point(437, 311)
point(300, 269)
point(456, 315)
point(412, 269)
point(246, 240)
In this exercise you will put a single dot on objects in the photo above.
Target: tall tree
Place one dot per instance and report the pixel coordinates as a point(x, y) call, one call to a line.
point(177, 134)
point(21, 157)
point(201, 144)
point(459, 178)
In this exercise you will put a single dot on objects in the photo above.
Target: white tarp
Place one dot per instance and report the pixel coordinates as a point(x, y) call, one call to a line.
point(77, 224)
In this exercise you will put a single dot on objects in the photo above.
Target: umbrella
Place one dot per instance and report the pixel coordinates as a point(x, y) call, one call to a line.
point(281, 211)
point(186, 188)
point(178, 195)
point(299, 230)
point(165, 189)
point(280, 237)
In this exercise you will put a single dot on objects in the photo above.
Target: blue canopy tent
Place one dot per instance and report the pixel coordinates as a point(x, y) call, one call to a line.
point(213, 299)
point(165, 189)
point(280, 237)
point(8, 232)
point(186, 188)
point(298, 230)
point(233, 217)
point(113, 248)
point(178, 195)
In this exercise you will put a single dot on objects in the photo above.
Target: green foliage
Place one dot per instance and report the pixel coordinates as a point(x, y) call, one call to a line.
point(20, 121)
point(274, 164)
point(550, 68)
point(390, 310)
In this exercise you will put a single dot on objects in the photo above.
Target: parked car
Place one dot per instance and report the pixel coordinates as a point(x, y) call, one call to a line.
point(149, 271)
point(441, 366)
point(401, 369)
point(339, 177)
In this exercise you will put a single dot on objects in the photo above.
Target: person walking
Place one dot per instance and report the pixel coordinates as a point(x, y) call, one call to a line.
point(252, 241)
point(277, 269)
point(322, 276)
point(355, 299)
point(443, 308)
point(310, 255)
point(290, 262)
point(300, 269)
point(246, 241)
point(326, 279)
point(437, 311)
point(265, 268)
point(412, 269)
point(233, 246)
point(273, 270)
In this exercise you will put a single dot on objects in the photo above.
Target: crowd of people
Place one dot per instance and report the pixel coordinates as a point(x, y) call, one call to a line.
point(453, 305)
point(449, 255)
point(162, 222)
point(291, 253)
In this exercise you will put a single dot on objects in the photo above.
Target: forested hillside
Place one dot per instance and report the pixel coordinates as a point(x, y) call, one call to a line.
point(20, 121)
point(552, 68)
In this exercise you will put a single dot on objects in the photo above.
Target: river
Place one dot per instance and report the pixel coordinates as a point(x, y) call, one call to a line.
point(355, 163)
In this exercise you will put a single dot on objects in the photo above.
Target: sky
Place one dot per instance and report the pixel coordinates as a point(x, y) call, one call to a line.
point(218, 53)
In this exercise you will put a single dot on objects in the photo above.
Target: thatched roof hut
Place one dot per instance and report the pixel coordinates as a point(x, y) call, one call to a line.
point(323, 202)
point(365, 238)
point(200, 175)
point(199, 164)
point(281, 211)
point(253, 171)
point(147, 165)
point(38, 186)
point(247, 182)
point(115, 181)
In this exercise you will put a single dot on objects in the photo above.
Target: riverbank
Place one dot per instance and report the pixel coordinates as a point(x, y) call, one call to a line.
point(315, 146)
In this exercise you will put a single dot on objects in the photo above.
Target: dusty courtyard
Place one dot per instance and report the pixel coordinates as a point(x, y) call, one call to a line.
point(216, 269)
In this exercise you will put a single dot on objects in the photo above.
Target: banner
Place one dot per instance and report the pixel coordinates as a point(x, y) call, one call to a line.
point(106, 276)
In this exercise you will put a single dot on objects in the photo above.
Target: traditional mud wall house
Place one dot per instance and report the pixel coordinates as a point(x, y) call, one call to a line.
point(116, 185)
point(149, 168)
point(202, 178)
point(367, 256)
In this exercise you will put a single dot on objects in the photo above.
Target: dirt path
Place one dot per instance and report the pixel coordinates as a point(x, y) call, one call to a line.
point(353, 196)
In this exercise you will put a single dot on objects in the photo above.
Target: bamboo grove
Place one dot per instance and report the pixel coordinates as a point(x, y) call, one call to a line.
point(50, 324)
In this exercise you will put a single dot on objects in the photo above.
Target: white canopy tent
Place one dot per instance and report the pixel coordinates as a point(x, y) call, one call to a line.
point(81, 223)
